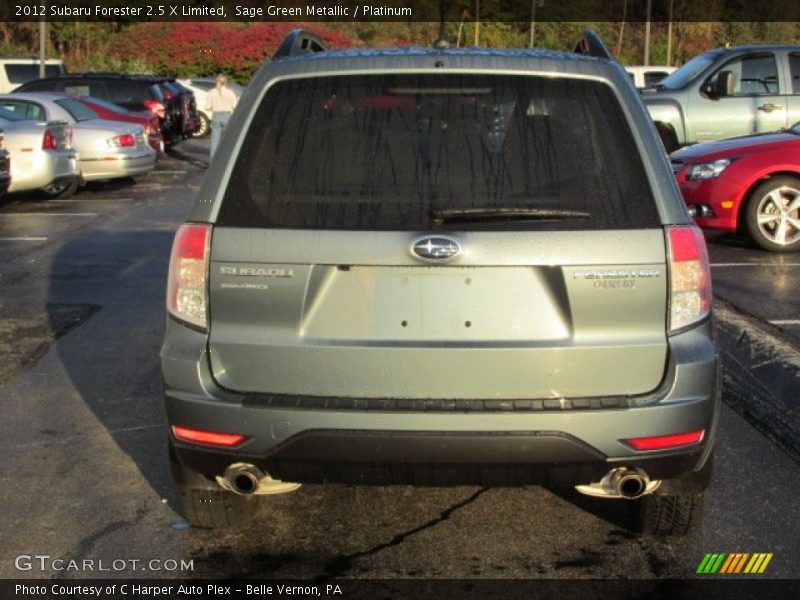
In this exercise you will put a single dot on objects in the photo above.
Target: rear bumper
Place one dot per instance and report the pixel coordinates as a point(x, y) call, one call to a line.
point(42, 168)
point(428, 445)
point(118, 165)
point(437, 459)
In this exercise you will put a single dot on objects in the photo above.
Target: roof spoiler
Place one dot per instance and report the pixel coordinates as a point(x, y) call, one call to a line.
point(299, 41)
point(590, 44)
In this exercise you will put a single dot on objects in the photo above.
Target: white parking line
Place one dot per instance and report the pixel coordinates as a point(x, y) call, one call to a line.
point(785, 322)
point(23, 239)
point(49, 214)
point(160, 186)
point(168, 172)
point(68, 200)
point(750, 264)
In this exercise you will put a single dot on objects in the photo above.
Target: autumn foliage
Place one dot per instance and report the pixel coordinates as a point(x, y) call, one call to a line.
point(206, 48)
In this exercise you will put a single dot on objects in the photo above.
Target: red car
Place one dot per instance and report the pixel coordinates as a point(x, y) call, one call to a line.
point(112, 112)
point(747, 184)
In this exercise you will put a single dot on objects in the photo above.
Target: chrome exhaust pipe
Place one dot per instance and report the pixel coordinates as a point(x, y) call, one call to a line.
point(621, 482)
point(243, 478)
point(246, 479)
point(628, 484)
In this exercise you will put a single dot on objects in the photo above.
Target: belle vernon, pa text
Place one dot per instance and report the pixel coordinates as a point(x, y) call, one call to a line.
point(171, 10)
point(167, 591)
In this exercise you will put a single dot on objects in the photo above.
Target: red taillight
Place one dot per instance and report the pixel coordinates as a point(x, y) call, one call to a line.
point(690, 277)
point(156, 107)
point(126, 140)
point(212, 438)
point(187, 294)
point(49, 141)
point(664, 442)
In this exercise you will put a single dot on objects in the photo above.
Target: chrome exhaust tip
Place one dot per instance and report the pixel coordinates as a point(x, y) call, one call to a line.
point(243, 478)
point(629, 484)
point(246, 479)
point(621, 482)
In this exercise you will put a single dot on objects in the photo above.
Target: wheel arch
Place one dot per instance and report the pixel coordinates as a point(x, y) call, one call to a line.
point(668, 135)
point(744, 199)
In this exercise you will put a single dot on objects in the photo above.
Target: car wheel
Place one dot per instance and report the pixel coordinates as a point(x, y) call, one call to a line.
point(668, 137)
point(203, 127)
point(668, 514)
point(203, 504)
point(773, 214)
point(62, 190)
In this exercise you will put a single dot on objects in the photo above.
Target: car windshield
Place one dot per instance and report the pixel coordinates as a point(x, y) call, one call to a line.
point(683, 76)
point(77, 110)
point(394, 152)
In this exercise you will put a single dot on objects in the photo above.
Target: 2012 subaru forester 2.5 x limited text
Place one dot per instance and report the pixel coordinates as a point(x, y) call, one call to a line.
point(440, 267)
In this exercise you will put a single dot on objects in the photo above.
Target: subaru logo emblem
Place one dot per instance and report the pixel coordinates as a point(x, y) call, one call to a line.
point(436, 248)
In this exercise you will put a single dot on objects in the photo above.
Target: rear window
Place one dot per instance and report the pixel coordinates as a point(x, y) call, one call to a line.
point(653, 77)
point(77, 109)
point(25, 73)
point(389, 152)
point(85, 87)
point(109, 106)
point(131, 91)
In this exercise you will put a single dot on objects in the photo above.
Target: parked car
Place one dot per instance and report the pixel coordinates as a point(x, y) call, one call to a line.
point(725, 93)
point(200, 86)
point(424, 266)
point(747, 184)
point(109, 111)
point(184, 106)
point(645, 77)
point(5, 166)
point(16, 71)
point(41, 155)
point(106, 149)
point(134, 92)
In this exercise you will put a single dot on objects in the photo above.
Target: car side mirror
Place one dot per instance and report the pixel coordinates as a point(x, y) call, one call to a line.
point(724, 84)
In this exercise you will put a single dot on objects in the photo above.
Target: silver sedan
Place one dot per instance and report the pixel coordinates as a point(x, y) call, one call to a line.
point(106, 149)
point(41, 155)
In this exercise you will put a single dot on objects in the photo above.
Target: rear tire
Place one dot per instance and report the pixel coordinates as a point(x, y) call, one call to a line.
point(65, 190)
point(668, 514)
point(773, 213)
point(203, 504)
point(204, 128)
point(668, 137)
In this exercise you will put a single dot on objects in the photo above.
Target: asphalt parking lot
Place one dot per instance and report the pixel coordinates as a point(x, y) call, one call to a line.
point(83, 429)
point(758, 283)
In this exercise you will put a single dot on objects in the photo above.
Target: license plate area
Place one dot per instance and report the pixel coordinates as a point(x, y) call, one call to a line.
point(478, 304)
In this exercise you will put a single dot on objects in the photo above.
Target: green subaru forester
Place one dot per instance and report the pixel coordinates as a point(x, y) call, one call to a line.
point(440, 267)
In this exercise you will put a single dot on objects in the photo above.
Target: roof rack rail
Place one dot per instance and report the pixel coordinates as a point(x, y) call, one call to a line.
point(590, 44)
point(299, 41)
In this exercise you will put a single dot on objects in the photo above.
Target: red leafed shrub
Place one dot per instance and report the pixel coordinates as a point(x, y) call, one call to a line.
point(206, 48)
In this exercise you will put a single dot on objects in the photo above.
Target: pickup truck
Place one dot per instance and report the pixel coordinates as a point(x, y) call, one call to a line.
point(727, 92)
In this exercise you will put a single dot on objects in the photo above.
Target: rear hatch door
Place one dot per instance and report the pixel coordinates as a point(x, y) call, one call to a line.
point(438, 237)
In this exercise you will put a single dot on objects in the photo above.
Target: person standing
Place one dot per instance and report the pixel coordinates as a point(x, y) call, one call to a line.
point(220, 103)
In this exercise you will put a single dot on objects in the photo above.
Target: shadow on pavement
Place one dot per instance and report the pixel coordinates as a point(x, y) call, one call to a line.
point(112, 359)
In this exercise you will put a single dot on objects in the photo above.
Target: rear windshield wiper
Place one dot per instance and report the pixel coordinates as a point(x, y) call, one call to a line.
point(450, 215)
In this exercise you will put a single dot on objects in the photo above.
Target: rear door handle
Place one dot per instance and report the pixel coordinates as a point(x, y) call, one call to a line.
point(769, 107)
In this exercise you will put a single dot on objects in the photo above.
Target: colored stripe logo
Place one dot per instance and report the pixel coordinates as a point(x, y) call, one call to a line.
point(734, 563)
